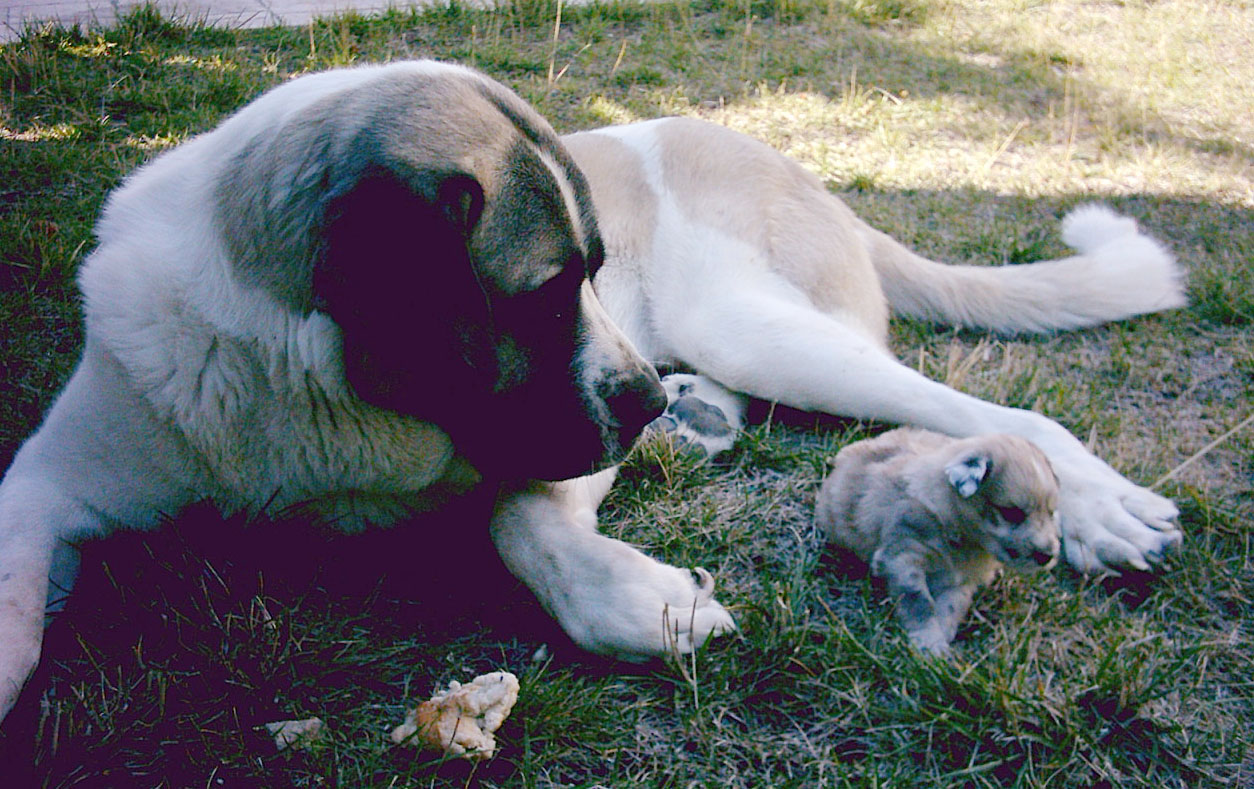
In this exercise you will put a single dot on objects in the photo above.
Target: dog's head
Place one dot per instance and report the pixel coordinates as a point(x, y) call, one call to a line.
point(1005, 486)
point(435, 217)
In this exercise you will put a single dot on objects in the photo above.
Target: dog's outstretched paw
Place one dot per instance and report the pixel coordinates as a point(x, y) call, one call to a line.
point(1109, 526)
point(609, 597)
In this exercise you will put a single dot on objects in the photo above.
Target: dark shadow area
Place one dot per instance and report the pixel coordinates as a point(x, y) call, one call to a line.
point(212, 619)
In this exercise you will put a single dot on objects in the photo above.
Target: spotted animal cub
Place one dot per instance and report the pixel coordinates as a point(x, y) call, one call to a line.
point(938, 517)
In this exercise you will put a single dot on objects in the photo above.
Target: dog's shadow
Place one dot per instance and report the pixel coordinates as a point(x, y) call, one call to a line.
point(257, 622)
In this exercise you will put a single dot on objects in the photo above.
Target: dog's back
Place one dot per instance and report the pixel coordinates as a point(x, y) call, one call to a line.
point(654, 177)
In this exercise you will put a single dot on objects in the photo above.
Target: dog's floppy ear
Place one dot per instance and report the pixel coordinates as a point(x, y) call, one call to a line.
point(967, 471)
point(395, 273)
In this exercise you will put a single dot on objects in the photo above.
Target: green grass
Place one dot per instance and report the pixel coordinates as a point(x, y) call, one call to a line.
point(966, 130)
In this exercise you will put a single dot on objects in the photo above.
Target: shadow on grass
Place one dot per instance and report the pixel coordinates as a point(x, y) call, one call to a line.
point(178, 645)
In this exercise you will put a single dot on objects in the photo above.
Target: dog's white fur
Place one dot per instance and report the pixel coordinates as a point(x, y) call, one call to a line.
point(722, 255)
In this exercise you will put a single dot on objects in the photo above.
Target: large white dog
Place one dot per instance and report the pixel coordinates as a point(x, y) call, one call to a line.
point(369, 291)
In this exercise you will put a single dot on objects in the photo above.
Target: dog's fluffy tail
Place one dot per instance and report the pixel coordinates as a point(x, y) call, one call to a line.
point(1119, 272)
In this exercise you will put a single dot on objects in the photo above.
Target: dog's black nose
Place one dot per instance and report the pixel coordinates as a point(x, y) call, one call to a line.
point(636, 404)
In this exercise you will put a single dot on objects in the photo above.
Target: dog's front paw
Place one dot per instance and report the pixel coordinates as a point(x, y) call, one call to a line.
point(654, 611)
point(1110, 524)
point(609, 597)
point(688, 627)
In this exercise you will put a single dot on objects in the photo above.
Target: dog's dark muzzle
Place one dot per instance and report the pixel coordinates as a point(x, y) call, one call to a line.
point(634, 404)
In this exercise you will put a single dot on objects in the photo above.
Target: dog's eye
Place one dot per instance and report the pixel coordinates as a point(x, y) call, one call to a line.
point(1012, 515)
point(554, 300)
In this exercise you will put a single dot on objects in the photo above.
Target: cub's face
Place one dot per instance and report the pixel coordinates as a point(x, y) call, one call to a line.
point(1008, 489)
point(1023, 535)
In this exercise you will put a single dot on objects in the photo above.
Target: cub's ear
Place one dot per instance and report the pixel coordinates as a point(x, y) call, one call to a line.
point(395, 273)
point(967, 471)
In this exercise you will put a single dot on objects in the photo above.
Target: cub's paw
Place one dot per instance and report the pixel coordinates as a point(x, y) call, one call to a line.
point(931, 641)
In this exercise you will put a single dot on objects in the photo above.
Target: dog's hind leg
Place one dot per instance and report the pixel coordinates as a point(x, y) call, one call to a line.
point(952, 605)
point(775, 349)
point(902, 566)
point(609, 597)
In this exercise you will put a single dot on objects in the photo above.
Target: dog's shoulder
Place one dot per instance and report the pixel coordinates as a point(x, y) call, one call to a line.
point(254, 382)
